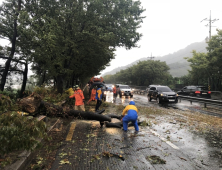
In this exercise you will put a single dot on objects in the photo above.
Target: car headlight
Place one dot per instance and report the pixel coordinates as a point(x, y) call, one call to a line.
point(177, 95)
point(122, 91)
point(105, 92)
point(163, 94)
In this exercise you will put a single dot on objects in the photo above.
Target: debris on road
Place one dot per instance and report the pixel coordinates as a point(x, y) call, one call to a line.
point(153, 159)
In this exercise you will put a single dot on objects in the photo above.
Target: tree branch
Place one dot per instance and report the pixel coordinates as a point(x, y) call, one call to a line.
point(12, 59)
point(6, 34)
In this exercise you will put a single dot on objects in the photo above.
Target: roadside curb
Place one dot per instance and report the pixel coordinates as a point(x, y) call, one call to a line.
point(26, 156)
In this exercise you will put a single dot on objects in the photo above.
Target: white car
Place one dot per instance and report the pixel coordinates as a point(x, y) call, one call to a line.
point(125, 90)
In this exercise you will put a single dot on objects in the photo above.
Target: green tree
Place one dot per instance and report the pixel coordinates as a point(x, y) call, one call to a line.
point(144, 73)
point(79, 37)
point(214, 58)
point(9, 29)
point(199, 68)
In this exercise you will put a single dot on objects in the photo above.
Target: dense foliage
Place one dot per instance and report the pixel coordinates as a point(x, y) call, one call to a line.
point(206, 67)
point(67, 40)
point(143, 73)
point(19, 132)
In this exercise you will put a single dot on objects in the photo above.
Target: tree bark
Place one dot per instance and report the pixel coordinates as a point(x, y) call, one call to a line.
point(120, 124)
point(25, 74)
point(33, 103)
point(43, 79)
point(59, 84)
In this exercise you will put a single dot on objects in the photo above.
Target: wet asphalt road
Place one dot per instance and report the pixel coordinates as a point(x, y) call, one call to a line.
point(141, 100)
point(89, 146)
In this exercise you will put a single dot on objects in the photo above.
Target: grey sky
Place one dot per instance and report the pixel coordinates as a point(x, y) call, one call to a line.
point(169, 26)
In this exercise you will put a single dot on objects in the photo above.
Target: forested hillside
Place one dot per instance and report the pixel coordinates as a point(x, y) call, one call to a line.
point(178, 65)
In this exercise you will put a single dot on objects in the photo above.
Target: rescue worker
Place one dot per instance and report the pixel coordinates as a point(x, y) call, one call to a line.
point(99, 96)
point(130, 114)
point(93, 95)
point(70, 91)
point(79, 99)
point(114, 92)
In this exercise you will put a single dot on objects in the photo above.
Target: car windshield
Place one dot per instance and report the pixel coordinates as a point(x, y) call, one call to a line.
point(202, 88)
point(124, 87)
point(164, 89)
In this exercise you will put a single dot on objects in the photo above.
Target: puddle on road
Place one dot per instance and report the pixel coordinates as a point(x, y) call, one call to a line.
point(124, 100)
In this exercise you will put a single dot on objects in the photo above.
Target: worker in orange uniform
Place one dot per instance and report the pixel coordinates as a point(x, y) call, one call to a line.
point(79, 99)
point(93, 95)
point(114, 92)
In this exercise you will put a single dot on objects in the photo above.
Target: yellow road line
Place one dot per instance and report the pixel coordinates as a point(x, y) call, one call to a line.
point(71, 131)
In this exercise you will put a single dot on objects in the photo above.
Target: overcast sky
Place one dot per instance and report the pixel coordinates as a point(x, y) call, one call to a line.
point(170, 25)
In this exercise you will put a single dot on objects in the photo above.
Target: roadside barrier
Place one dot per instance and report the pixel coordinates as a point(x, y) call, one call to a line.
point(201, 100)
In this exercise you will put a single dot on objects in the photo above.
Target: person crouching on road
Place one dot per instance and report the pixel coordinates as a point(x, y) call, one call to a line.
point(130, 114)
point(99, 96)
point(93, 95)
point(79, 99)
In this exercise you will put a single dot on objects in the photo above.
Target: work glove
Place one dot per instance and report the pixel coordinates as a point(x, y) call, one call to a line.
point(122, 118)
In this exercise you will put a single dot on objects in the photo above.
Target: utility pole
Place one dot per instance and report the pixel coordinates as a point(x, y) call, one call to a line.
point(210, 21)
point(151, 57)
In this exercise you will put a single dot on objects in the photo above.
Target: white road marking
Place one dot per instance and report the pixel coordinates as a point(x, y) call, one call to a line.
point(165, 140)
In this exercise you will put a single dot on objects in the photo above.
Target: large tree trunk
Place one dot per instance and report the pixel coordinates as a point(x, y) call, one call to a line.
point(120, 124)
point(73, 78)
point(30, 104)
point(43, 78)
point(59, 83)
point(33, 103)
point(25, 73)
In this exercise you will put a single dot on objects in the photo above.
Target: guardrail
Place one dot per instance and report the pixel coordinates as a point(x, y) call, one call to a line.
point(201, 100)
point(139, 89)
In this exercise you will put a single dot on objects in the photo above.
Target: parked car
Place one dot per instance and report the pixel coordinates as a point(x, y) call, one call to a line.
point(162, 94)
point(125, 90)
point(104, 89)
point(196, 91)
point(148, 88)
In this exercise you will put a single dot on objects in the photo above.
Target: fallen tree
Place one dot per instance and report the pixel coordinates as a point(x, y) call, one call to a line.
point(33, 103)
point(120, 124)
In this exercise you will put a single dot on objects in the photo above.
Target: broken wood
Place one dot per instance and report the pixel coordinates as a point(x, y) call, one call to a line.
point(33, 103)
point(88, 115)
point(120, 124)
point(115, 116)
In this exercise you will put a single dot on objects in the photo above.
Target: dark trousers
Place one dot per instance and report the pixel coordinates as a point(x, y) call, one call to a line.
point(98, 103)
point(114, 95)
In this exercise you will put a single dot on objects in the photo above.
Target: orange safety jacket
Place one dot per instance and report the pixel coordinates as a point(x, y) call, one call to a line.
point(78, 94)
point(93, 94)
point(114, 89)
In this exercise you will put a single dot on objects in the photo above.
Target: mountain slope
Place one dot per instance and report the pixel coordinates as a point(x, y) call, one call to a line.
point(178, 65)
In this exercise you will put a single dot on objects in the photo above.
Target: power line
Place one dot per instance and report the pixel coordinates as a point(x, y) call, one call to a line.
point(210, 21)
point(151, 57)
